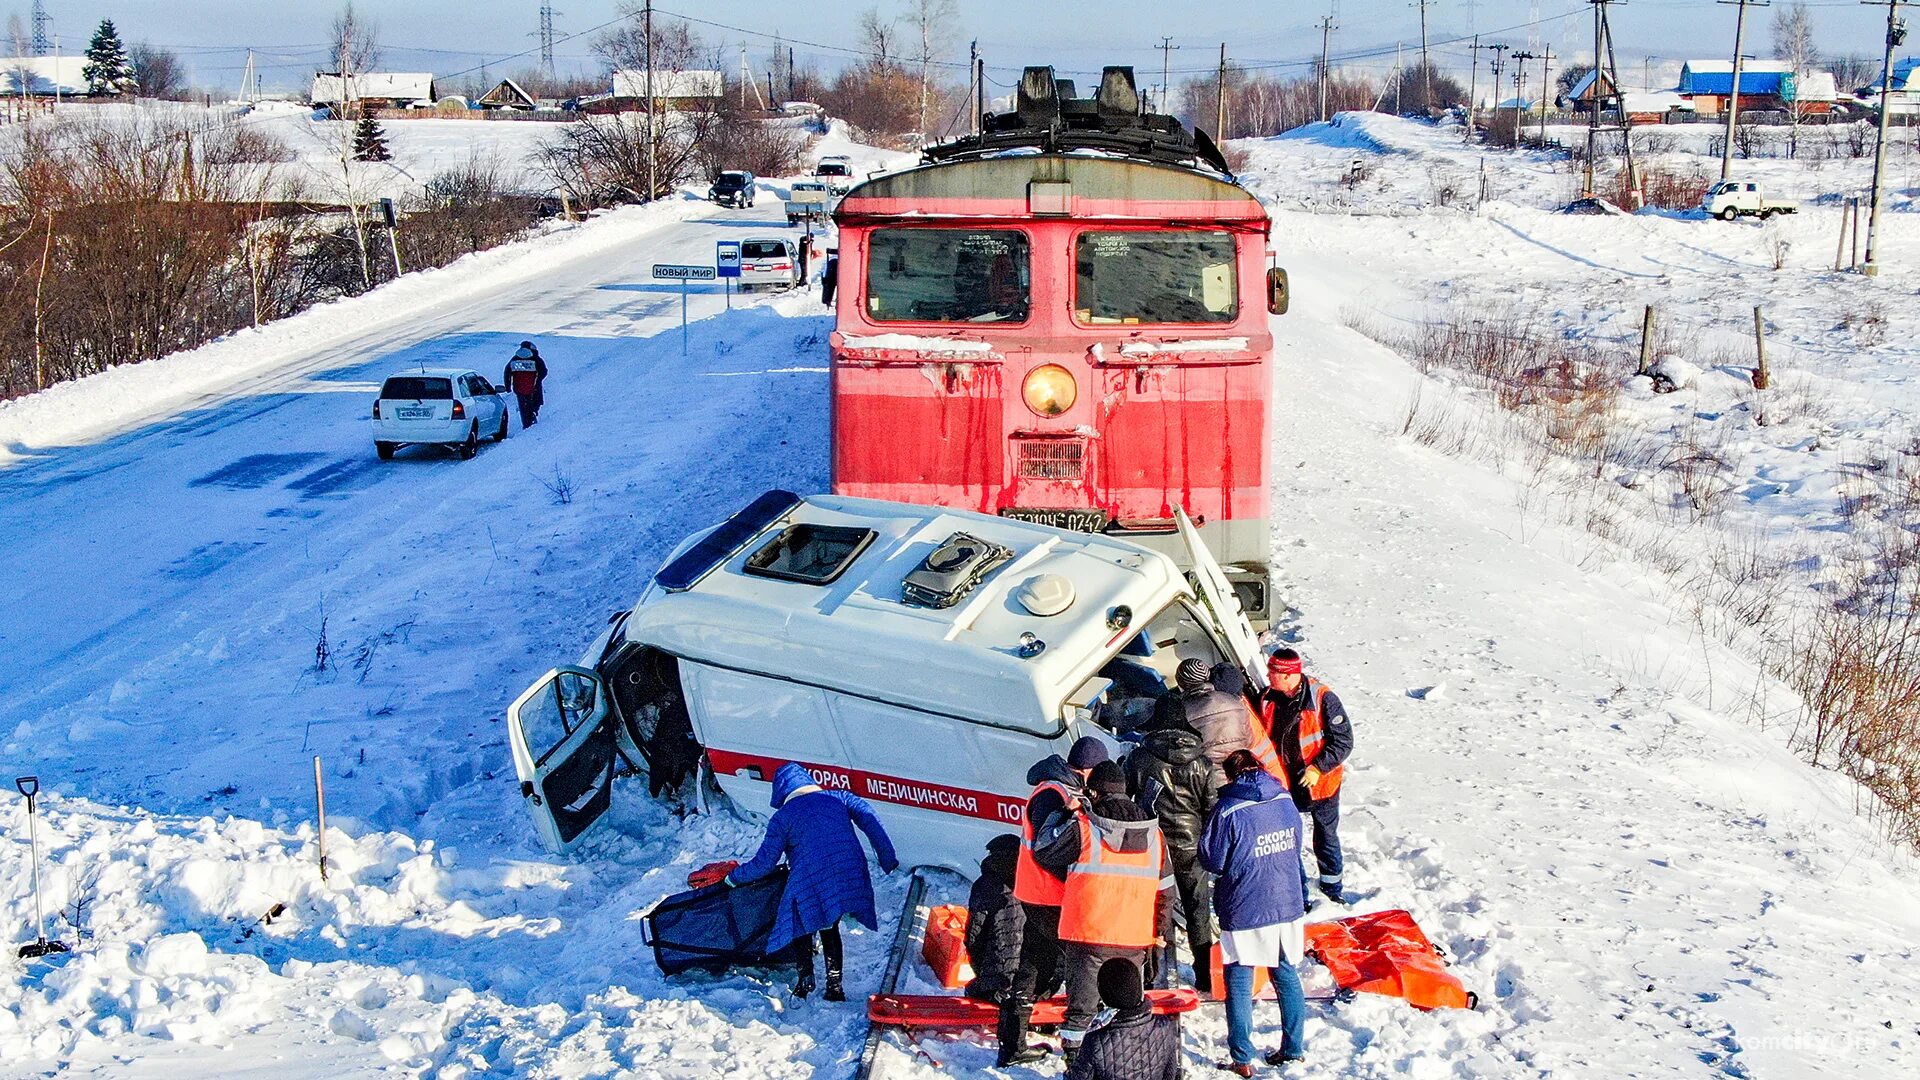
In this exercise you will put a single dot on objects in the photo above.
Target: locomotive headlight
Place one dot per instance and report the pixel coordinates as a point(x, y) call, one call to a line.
point(1049, 390)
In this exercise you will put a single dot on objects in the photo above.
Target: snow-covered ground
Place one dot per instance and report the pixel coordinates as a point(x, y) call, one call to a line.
point(1635, 879)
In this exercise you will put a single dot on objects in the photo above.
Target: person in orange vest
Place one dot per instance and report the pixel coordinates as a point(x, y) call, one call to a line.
point(1059, 794)
point(1222, 716)
point(1117, 902)
point(1310, 727)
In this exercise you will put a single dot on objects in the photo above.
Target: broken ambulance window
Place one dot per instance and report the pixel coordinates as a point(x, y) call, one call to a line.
point(809, 554)
point(1154, 277)
point(948, 275)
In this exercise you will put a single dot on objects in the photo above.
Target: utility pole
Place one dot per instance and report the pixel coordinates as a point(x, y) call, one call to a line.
point(249, 81)
point(1520, 91)
point(1166, 48)
point(1399, 74)
point(1326, 33)
point(1593, 111)
point(1733, 99)
point(1896, 33)
point(1220, 98)
point(1546, 85)
point(979, 97)
point(653, 163)
point(1626, 124)
point(1473, 79)
point(1426, 68)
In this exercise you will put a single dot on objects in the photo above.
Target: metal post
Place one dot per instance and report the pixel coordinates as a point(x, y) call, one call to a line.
point(1166, 48)
point(1896, 33)
point(653, 181)
point(685, 287)
point(1326, 33)
point(1473, 77)
point(1426, 67)
point(320, 800)
point(1840, 244)
point(1733, 98)
point(1762, 378)
point(1220, 98)
point(1546, 83)
point(1646, 341)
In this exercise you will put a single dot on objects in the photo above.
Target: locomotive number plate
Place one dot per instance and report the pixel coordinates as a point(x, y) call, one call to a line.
point(1078, 520)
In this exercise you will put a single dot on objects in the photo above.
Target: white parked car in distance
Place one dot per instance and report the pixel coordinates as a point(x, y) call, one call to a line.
point(769, 260)
point(1730, 199)
point(836, 172)
point(454, 407)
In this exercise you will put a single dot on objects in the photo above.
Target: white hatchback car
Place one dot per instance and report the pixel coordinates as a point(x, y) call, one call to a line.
point(444, 406)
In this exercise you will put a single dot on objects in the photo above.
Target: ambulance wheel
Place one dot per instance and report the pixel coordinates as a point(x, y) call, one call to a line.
point(472, 446)
point(385, 450)
point(501, 435)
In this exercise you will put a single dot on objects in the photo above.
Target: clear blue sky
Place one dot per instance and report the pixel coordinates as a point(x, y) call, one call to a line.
point(445, 36)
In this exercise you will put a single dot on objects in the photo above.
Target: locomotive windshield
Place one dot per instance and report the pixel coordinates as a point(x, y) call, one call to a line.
point(1154, 277)
point(948, 275)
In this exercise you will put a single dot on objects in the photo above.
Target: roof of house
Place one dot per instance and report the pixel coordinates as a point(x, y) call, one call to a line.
point(43, 74)
point(1584, 87)
point(329, 88)
point(1814, 86)
point(508, 93)
point(670, 84)
point(856, 631)
point(1654, 101)
point(1716, 77)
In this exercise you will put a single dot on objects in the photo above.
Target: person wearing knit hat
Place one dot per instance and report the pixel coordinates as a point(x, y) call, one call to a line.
point(1086, 753)
point(1117, 902)
point(1224, 719)
point(1310, 729)
point(1128, 1041)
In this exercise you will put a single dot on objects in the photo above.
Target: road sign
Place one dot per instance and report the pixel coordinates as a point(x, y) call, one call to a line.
point(726, 258)
point(674, 272)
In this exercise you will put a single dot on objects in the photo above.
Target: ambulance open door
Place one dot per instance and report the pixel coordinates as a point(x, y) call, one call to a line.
point(1217, 596)
point(563, 751)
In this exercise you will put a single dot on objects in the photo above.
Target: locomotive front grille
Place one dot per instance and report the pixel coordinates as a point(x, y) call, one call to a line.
point(1051, 459)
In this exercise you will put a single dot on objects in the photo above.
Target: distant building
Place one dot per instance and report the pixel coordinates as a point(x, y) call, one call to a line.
point(1594, 83)
point(43, 75)
point(1656, 106)
point(674, 89)
point(508, 95)
point(374, 89)
point(1764, 84)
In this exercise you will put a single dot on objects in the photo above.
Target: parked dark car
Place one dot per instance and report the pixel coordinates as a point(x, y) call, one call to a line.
point(732, 188)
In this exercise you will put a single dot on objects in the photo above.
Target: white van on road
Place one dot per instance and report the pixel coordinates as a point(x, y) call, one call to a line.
point(919, 657)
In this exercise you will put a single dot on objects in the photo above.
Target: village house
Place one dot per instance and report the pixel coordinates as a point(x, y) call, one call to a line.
point(373, 90)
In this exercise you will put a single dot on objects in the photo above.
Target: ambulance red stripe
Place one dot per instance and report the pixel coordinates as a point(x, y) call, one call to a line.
point(878, 787)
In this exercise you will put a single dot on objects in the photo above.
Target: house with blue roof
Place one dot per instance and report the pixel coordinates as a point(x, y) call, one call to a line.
point(1764, 84)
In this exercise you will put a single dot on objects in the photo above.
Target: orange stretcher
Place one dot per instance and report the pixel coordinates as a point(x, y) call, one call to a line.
point(1387, 953)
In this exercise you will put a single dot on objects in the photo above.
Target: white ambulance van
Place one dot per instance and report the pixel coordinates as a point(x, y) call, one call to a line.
point(922, 658)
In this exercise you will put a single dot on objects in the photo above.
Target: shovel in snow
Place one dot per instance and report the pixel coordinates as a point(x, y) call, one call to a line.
point(30, 787)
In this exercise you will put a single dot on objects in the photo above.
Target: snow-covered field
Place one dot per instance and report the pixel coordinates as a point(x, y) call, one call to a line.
point(1552, 773)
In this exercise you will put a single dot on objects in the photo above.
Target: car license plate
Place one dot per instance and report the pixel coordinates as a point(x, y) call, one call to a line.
point(415, 412)
point(1078, 520)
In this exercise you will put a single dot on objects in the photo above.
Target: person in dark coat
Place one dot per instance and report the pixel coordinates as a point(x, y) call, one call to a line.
point(526, 376)
point(995, 923)
point(1171, 776)
point(812, 829)
point(1119, 822)
point(1252, 841)
point(1310, 729)
point(1223, 719)
point(1127, 1041)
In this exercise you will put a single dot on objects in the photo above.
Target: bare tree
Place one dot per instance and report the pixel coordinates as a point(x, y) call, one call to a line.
point(1854, 70)
point(624, 47)
point(879, 38)
point(157, 72)
point(16, 35)
point(932, 23)
point(1793, 37)
point(355, 40)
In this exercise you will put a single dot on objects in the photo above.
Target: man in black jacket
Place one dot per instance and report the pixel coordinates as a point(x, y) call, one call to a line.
point(995, 923)
point(526, 376)
point(1170, 774)
point(1128, 1041)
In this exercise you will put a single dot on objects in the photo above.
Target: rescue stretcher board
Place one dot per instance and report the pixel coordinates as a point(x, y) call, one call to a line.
point(949, 1012)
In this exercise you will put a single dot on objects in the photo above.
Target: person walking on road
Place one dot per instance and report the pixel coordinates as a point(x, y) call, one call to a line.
point(526, 376)
point(1223, 718)
point(1117, 902)
point(1059, 791)
point(1170, 775)
point(1310, 727)
point(1252, 841)
point(996, 922)
point(812, 829)
point(1128, 1041)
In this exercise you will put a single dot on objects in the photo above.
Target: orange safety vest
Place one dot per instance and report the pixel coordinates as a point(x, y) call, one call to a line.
point(1311, 736)
point(1110, 894)
point(1031, 884)
point(1262, 747)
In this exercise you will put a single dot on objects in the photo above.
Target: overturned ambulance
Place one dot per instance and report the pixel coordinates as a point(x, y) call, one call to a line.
point(920, 657)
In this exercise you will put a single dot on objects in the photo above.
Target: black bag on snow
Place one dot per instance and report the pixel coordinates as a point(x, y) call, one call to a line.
point(716, 928)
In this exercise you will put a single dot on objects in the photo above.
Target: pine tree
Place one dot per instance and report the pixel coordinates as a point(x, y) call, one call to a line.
point(108, 70)
point(369, 142)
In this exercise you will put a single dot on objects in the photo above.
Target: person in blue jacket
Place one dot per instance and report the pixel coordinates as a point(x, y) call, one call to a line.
point(827, 880)
point(1252, 840)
